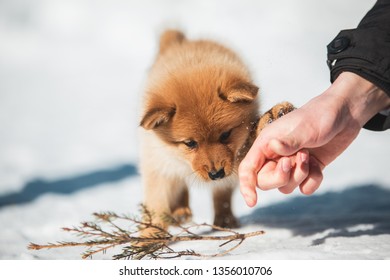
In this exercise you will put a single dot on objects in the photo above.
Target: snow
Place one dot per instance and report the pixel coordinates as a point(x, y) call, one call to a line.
point(71, 79)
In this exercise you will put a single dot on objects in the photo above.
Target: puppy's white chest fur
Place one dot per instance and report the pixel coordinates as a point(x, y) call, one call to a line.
point(163, 159)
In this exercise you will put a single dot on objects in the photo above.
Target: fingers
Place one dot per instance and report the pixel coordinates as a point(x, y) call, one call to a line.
point(287, 173)
point(274, 174)
point(299, 174)
point(247, 171)
point(247, 179)
point(247, 175)
point(313, 181)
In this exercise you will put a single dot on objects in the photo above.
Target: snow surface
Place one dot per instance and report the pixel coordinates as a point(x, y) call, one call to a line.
point(71, 79)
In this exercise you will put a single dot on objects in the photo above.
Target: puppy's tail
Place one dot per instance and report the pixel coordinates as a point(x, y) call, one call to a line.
point(170, 37)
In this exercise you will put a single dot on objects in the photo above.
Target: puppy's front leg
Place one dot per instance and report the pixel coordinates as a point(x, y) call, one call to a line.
point(165, 197)
point(276, 112)
point(179, 203)
point(223, 215)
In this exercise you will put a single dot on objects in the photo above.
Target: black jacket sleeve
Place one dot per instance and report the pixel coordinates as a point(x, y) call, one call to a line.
point(366, 51)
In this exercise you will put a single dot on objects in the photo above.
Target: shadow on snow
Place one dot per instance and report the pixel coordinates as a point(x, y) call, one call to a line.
point(36, 188)
point(339, 211)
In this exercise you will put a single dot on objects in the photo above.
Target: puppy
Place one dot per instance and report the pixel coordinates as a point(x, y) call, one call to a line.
point(199, 118)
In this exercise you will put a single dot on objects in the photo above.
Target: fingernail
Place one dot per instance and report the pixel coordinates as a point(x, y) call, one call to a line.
point(304, 158)
point(286, 165)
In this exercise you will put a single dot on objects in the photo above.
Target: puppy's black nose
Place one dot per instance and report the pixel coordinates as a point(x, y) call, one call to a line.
point(215, 175)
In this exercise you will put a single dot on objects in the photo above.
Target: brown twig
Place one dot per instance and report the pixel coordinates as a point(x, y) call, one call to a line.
point(154, 247)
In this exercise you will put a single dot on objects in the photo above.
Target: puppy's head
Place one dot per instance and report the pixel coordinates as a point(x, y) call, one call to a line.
point(207, 115)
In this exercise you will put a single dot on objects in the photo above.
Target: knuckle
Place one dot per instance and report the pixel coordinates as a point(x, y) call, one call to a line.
point(244, 177)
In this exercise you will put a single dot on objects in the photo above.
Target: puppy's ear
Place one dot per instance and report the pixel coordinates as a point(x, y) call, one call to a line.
point(170, 37)
point(239, 92)
point(154, 117)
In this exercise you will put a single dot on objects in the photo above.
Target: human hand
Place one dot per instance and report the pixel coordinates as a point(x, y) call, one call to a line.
point(293, 150)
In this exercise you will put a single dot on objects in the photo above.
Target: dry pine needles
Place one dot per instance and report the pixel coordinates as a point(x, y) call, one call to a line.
point(111, 230)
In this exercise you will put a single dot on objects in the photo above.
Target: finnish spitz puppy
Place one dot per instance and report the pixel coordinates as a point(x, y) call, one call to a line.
point(199, 117)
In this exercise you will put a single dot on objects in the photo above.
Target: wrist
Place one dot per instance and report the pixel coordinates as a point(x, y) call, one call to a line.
point(361, 98)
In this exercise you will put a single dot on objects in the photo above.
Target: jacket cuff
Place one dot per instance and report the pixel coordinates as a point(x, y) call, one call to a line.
point(364, 52)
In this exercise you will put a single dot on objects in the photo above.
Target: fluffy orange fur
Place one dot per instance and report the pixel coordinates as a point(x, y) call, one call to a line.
point(200, 111)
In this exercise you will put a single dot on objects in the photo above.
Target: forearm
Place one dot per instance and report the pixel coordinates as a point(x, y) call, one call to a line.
point(361, 98)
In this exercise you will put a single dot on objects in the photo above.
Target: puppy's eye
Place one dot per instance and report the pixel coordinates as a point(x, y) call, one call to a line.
point(225, 136)
point(191, 144)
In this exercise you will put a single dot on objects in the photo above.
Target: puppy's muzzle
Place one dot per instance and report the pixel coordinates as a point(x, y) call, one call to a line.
point(215, 175)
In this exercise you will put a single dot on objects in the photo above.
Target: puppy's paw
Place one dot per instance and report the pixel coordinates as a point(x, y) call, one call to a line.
point(276, 112)
point(226, 221)
point(182, 215)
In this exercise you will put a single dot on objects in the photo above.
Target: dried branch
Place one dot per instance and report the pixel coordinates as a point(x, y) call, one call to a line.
point(106, 233)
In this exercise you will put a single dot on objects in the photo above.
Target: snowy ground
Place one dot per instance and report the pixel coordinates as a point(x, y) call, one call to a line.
point(71, 78)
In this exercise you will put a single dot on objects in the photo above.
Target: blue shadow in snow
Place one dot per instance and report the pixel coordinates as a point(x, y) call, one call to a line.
point(36, 188)
point(340, 211)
